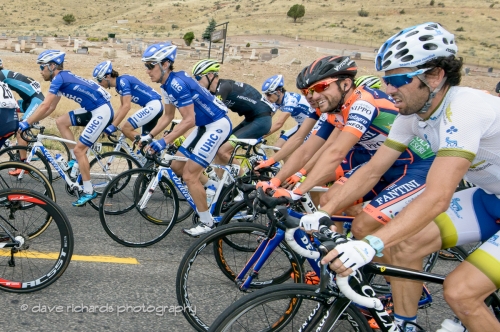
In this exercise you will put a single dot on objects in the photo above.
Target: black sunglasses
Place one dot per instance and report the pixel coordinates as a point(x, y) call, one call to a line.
point(151, 65)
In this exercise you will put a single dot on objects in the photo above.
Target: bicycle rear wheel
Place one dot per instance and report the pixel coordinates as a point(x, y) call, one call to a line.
point(122, 219)
point(288, 307)
point(39, 161)
point(205, 281)
point(38, 260)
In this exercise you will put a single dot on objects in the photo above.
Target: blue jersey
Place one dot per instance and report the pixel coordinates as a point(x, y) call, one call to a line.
point(128, 85)
point(296, 105)
point(182, 90)
point(87, 93)
point(24, 86)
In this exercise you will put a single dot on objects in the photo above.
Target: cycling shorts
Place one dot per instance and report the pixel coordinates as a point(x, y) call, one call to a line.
point(256, 128)
point(204, 141)
point(400, 185)
point(289, 133)
point(152, 111)
point(95, 122)
point(28, 107)
point(10, 123)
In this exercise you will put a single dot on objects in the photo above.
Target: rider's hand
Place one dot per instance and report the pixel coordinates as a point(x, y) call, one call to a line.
point(265, 163)
point(272, 184)
point(280, 192)
point(145, 139)
point(353, 255)
point(311, 222)
point(291, 181)
point(110, 129)
point(158, 145)
point(23, 125)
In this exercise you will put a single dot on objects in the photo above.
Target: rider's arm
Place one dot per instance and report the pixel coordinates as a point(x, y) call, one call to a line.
point(278, 123)
point(329, 160)
point(363, 180)
point(188, 122)
point(296, 140)
point(164, 120)
point(46, 107)
point(442, 180)
point(123, 110)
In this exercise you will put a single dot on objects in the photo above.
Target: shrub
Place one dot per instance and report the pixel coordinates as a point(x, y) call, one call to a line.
point(175, 26)
point(460, 29)
point(188, 38)
point(247, 45)
point(431, 3)
point(402, 11)
point(238, 7)
point(69, 18)
point(296, 11)
point(363, 13)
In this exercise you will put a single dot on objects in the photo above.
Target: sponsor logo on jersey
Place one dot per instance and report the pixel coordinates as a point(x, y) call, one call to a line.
point(357, 118)
point(175, 85)
point(450, 143)
point(74, 98)
point(451, 130)
point(356, 125)
point(362, 108)
point(398, 190)
point(209, 143)
point(250, 100)
point(143, 113)
point(94, 125)
point(493, 240)
point(455, 207)
point(448, 113)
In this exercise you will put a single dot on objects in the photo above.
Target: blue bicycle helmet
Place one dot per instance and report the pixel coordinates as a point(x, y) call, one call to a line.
point(160, 52)
point(102, 69)
point(51, 56)
point(272, 83)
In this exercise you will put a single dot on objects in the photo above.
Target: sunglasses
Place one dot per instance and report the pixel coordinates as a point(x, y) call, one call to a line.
point(99, 79)
point(198, 77)
point(398, 80)
point(42, 67)
point(318, 87)
point(151, 65)
point(269, 94)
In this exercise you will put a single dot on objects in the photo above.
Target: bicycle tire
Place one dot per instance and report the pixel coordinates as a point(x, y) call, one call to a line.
point(44, 257)
point(206, 275)
point(110, 147)
point(41, 164)
point(290, 306)
point(124, 222)
point(106, 167)
point(56, 147)
point(241, 212)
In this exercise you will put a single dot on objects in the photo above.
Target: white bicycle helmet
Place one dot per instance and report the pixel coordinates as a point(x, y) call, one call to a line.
point(102, 69)
point(415, 46)
point(51, 56)
point(272, 83)
point(160, 52)
point(1, 63)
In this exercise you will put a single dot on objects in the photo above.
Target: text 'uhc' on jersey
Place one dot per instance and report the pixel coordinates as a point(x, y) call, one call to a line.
point(141, 94)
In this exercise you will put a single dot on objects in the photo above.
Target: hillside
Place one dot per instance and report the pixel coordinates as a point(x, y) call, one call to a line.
point(474, 22)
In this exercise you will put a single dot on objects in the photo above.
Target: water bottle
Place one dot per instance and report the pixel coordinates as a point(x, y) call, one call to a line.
point(210, 191)
point(75, 170)
point(450, 325)
point(62, 163)
point(141, 158)
point(211, 174)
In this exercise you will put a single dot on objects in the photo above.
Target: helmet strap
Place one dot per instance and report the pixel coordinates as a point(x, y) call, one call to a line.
point(338, 108)
point(51, 71)
point(432, 93)
point(210, 80)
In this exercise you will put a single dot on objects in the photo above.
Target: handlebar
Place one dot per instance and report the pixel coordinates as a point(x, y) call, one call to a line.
point(365, 301)
point(32, 138)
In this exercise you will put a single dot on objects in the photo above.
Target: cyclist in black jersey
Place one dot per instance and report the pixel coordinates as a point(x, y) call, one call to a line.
point(31, 96)
point(240, 98)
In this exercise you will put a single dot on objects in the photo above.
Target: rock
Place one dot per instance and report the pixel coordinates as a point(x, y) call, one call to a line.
point(295, 62)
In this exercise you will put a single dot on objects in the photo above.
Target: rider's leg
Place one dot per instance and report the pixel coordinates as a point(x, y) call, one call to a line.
point(191, 175)
point(146, 117)
point(129, 131)
point(64, 122)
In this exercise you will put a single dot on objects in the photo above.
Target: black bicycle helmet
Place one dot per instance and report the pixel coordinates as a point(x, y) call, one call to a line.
point(300, 82)
point(497, 89)
point(330, 66)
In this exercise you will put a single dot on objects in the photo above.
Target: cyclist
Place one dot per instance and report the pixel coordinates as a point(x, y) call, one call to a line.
point(31, 96)
point(462, 125)
point(199, 109)
point(8, 113)
point(131, 90)
point(95, 113)
point(240, 98)
point(290, 103)
point(371, 81)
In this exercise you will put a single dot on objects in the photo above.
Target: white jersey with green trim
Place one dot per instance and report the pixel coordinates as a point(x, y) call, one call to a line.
point(466, 124)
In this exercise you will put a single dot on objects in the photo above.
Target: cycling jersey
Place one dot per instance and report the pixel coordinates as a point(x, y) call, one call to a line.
point(296, 105)
point(141, 94)
point(466, 124)
point(87, 93)
point(24, 86)
point(181, 90)
point(369, 114)
point(243, 99)
point(8, 114)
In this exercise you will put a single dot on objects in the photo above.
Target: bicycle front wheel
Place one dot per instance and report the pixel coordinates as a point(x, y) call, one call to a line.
point(36, 261)
point(129, 224)
point(288, 307)
point(38, 161)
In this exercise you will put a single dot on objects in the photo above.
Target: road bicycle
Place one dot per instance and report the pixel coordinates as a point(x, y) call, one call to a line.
point(103, 167)
point(238, 258)
point(292, 307)
point(32, 258)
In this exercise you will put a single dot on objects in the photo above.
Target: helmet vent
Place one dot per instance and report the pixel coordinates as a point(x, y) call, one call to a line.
point(425, 38)
point(414, 32)
point(407, 58)
point(401, 45)
point(386, 64)
point(394, 42)
point(401, 53)
point(445, 41)
point(387, 55)
point(430, 47)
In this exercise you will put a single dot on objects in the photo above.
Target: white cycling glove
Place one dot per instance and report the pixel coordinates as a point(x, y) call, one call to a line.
point(310, 222)
point(355, 254)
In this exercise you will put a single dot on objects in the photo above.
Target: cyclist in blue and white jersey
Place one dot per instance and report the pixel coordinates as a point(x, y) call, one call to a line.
point(131, 90)
point(31, 96)
point(289, 103)
point(199, 109)
point(95, 113)
point(8, 113)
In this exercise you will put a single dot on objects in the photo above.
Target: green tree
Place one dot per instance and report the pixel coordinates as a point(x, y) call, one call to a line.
point(69, 18)
point(188, 38)
point(296, 11)
point(210, 28)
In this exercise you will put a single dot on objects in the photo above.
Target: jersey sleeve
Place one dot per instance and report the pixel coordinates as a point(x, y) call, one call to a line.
point(289, 106)
point(181, 92)
point(401, 133)
point(223, 91)
point(361, 115)
point(55, 85)
point(315, 115)
point(124, 87)
point(166, 99)
point(461, 128)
